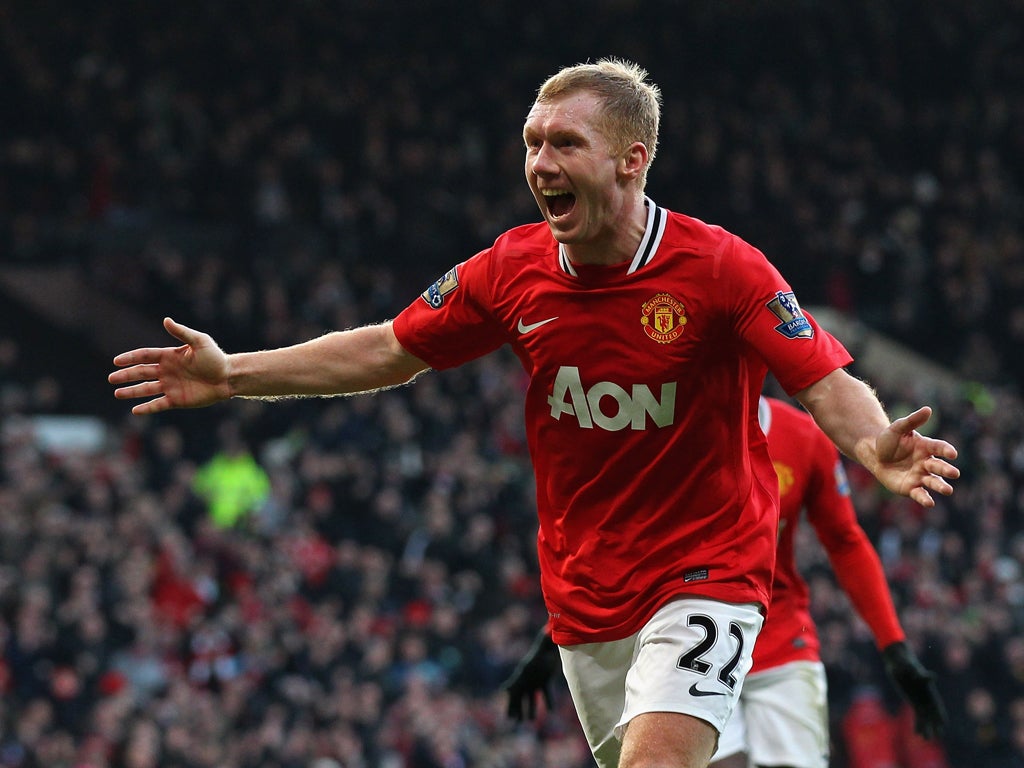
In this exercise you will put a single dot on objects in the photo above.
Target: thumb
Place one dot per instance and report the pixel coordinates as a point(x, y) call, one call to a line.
point(182, 332)
point(912, 421)
point(892, 443)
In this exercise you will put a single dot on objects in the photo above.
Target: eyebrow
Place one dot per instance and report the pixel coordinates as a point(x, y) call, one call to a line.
point(558, 133)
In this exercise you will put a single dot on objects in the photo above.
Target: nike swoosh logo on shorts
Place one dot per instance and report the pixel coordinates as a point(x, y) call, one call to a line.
point(524, 328)
point(695, 691)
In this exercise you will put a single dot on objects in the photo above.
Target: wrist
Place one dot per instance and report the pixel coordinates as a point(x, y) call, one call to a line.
point(230, 378)
point(865, 453)
point(247, 374)
point(895, 651)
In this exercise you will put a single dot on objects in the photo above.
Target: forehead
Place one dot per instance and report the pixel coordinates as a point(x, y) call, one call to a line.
point(577, 112)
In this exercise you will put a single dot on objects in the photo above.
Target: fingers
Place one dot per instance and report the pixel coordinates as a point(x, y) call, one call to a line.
point(150, 386)
point(938, 484)
point(929, 712)
point(516, 699)
point(930, 724)
point(141, 356)
point(930, 458)
point(941, 468)
point(908, 424)
point(146, 355)
point(138, 372)
point(515, 707)
point(935, 472)
point(145, 389)
point(922, 497)
point(166, 374)
point(912, 421)
point(939, 448)
point(152, 406)
point(935, 483)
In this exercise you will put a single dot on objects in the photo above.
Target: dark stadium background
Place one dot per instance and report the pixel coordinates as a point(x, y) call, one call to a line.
point(270, 171)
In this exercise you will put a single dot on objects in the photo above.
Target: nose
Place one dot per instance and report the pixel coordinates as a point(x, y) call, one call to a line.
point(542, 161)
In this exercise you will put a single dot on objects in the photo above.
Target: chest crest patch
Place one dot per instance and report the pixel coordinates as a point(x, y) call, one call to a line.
point(663, 318)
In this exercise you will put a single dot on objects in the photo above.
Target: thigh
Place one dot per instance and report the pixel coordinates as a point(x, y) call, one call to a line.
point(689, 659)
point(786, 713)
point(733, 740)
point(596, 674)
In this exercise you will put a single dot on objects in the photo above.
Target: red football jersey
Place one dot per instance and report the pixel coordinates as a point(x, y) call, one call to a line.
point(812, 480)
point(653, 478)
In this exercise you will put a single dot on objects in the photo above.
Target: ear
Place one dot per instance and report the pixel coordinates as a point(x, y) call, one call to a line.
point(634, 161)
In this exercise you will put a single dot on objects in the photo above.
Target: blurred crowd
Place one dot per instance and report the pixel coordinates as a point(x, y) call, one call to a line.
point(346, 582)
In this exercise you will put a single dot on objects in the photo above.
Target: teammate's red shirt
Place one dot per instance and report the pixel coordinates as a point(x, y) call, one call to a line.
point(812, 480)
point(653, 479)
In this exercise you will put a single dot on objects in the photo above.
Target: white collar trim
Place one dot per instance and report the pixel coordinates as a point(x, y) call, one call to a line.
point(645, 252)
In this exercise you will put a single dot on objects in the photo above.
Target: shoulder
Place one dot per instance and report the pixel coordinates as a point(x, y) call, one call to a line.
point(717, 249)
point(527, 239)
point(507, 254)
point(692, 233)
point(513, 249)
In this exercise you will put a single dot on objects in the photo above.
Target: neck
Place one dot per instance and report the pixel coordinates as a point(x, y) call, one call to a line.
point(619, 243)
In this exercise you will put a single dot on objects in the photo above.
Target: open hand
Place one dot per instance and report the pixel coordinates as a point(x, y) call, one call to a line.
point(192, 375)
point(911, 464)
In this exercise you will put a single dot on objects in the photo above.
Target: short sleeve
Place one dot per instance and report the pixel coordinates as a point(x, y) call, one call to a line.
point(768, 317)
point(451, 322)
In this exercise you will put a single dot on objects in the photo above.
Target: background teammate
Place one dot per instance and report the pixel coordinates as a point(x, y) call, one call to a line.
point(782, 717)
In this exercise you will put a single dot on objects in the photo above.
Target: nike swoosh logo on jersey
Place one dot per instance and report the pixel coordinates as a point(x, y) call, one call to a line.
point(695, 691)
point(524, 328)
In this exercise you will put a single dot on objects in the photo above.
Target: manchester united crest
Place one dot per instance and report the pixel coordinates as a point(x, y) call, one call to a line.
point(663, 318)
point(786, 477)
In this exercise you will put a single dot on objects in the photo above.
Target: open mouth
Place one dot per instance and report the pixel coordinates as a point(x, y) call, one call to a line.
point(559, 202)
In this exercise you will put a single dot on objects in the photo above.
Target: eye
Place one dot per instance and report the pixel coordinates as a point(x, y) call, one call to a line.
point(570, 140)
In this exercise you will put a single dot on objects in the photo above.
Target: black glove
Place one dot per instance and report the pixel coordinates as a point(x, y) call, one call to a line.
point(917, 685)
point(533, 674)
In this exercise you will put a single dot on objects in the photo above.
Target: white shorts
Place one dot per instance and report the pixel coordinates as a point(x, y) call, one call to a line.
point(782, 718)
point(691, 658)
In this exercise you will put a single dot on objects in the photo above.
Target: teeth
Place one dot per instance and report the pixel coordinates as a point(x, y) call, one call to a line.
point(554, 192)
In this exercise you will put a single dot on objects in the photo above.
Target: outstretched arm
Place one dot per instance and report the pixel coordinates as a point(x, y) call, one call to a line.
point(198, 373)
point(859, 571)
point(904, 461)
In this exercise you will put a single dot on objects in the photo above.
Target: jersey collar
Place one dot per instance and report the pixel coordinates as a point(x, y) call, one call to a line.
point(653, 231)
